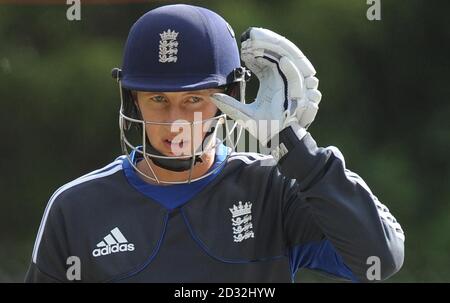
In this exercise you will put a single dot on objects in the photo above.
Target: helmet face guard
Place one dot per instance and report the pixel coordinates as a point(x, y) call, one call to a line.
point(170, 49)
point(135, 143)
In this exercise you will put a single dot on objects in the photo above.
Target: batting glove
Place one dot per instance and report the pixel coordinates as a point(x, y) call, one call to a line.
point(287, 94)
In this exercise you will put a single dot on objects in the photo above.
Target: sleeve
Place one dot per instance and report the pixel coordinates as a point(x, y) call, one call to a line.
point(50, 251)
point(332, 221)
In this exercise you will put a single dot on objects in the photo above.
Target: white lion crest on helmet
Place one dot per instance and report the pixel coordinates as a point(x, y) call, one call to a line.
point(168, 46)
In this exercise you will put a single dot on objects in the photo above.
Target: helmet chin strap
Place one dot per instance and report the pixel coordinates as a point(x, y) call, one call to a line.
point(177, 165)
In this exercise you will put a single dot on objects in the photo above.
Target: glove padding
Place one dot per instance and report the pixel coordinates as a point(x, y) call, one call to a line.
point(287, 87)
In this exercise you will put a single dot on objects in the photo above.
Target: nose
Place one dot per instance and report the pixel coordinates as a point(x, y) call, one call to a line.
point(177, 114)
point(181, 124)
point(181, 114)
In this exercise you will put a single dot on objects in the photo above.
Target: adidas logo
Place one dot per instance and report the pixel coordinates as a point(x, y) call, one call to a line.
point(114, 242)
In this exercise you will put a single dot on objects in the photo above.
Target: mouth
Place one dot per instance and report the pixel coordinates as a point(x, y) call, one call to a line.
point(173, 145)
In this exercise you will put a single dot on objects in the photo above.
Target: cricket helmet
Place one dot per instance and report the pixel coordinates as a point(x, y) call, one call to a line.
point(177, 48)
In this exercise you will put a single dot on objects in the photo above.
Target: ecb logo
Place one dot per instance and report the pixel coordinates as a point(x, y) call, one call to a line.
point(242, 221)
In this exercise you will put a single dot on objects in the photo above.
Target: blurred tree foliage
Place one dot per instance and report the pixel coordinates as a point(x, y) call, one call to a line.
point(385, 105)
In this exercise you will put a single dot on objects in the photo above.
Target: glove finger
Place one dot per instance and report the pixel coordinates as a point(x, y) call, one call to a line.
point(258, 34)
point(264, 68)
point(302, 63)
point(232, 107)
point(311, 82)
point(261, 38)
point(314, 95)
point(307, 115)
point(293, 77)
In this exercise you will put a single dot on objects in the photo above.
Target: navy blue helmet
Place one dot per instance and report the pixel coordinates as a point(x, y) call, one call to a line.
point(178, 48)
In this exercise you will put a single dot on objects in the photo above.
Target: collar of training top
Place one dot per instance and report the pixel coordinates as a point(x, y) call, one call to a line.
point(172, 196)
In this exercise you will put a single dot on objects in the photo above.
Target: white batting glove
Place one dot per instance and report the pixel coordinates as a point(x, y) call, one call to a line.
point(287, 94)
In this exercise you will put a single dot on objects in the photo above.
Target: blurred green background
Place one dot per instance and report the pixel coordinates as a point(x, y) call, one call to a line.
point(385, 105)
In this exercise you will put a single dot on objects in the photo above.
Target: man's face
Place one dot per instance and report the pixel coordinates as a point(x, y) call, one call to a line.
point(178, 110)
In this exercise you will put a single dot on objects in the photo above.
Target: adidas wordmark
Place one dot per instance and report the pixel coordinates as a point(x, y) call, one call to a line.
point(114, 242)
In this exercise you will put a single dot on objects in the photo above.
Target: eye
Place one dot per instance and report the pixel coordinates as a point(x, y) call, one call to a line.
point(158, 99)
point(195, 99)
